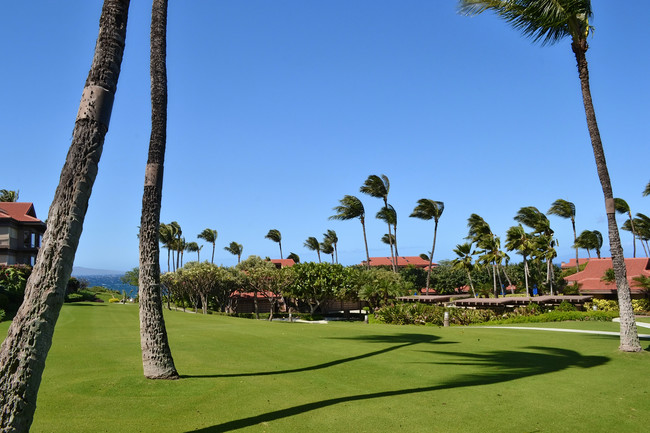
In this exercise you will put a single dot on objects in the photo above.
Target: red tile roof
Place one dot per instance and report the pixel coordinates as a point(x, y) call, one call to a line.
point(22, 212)
point(572, 263)
point(283, 263)
point(591, 277)
point(402, 261)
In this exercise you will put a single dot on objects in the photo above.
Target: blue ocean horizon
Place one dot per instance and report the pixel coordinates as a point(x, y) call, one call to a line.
point(110, 281)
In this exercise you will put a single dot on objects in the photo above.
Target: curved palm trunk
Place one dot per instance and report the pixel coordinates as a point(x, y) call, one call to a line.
point(214, 244)
point(280, 244)
point(433, 249)
point(365, 241)
point(629, 341)
point(23, 352)
point(395, 236)
point(575, 237)
point(526, 276)
point(471, 284)
point(336, 252)
point(629, 214)
point(157, 360)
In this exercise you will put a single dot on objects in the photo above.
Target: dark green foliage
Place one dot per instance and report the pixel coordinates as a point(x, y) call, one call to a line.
point(566, 306)
point(75, 284)
point(445, 279)
point(417, 277)
point(82, 296)
point(423, 314)
point(131, 277)
point(2, 315)
point(13, 279)
point(561, 316)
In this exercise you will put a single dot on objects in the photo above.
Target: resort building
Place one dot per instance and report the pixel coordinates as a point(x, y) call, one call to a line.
point(591, 280)
point(20, 233)
point(402, 262)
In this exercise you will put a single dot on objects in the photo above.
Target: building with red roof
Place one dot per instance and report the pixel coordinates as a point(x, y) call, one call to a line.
point(590, 280)
point(20, 233)
point(283, 263)
point(402, 262)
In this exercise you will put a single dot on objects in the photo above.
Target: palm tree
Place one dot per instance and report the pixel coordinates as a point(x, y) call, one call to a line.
point(275, 236)
point(24, 351)
point(518, 240)
point(333, 239)
point(176, 242)
point(235, 249)
point(388, 215)
point(646, 191)
point(639, 230)
point(622, 207)
point(533, 218)
point(210, 236)
point(295, 257)
point(327, 248)
point(193, 247)
point(479, 232)
point(8, 195)
point(166, 237)
point(590, 240)
point(312, 244)
point(350, 208)
point(550, 22)
point(464, 262)
point(428, 209)
point(157, 358)
point(567, 210)
point(379, 187)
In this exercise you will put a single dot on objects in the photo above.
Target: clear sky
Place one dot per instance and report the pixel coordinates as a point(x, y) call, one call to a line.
point(278, 109)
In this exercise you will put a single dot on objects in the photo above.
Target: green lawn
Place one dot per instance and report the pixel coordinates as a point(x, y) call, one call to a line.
point(252, 376)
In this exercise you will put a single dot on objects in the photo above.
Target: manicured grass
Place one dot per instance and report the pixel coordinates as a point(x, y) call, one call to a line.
point(253, 376)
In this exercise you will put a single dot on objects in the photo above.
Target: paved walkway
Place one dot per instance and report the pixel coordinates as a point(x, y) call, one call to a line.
point(580, 331)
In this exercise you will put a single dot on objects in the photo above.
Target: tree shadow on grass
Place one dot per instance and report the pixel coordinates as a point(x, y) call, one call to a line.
point(399, 341)
point(499, 365)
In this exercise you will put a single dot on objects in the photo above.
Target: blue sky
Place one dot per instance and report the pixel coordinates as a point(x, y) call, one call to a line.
point(278, 109)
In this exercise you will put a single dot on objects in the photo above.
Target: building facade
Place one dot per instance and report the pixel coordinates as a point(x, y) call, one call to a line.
point(21, 233)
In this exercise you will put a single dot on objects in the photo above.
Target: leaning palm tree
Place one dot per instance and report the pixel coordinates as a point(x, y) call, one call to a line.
point(311, 243)
point(646, 191)
point(388, 215)
point(331, 237)
point(157, 358)
point(350, 208)
point(638, 230)
point(210, 236)
point(193, 247)
point(293, 256)
point(275, 236)
point(567, 210)
point(590, 240)
point(235, 249)
point(327, 248)
point(378, 187)
point(518, 240)
point(166, 238)
point(428, 209)
point(532, 217)
point(24, 351)
point(8, 195)
point(550, 21)
point(622, 207)
point(463, 262)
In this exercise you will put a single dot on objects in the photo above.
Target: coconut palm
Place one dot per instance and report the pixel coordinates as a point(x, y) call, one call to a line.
point(567, 210)
point(550, 21)
point(210, 236)
point(489, 245)
point(646, 191)
point(166, 236)
point(23, 353)
point(639, 231)
point(531, 216)
point(8, 195)
point(293, 256)
point(622, 207)
point(428, 209)
point(590, 240)
point(157, 359)
point(463, 262)
point(388, 215)
point(176, 242)
point(327, 248)
point(193, 247)
point(524, 243)
point(235, 249)
point(378, 187)
point(350, 208)
point(312, 244)
point(275, 236)
point(333, 239)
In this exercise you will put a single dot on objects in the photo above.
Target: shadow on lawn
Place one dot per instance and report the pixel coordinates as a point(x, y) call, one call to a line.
point(400, 341)
point(500, 366)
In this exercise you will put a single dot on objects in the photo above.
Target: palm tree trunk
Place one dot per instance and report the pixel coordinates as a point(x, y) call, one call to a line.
point(395, 236)
point(471, 285)
point(633, 234)
point(214, 244)
point(629, 341)
point(526, 276)
point(392, 254)
point(575, 237)
point(157, 360)
point(280, 243)
point(23, 352)
point(365, 241)
point(433, 248)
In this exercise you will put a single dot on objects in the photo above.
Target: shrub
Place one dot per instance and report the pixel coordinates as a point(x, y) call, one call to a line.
point(639, 305)
point(2, 315)
point(566, 306)
point(602, 304)
point(113, 300)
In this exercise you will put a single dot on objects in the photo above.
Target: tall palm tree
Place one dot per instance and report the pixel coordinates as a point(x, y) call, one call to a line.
point(590, 240)
point(549, 22)
point(463, 262)
point(157, 358)
point(531, 216)
point(388, 215)
point(622, 207)
point(23, 352)
point(333, 239)
point(210, 236)
point(312, 244)
point(567, 210)
point(480, 233)
point(350, 208)
point(327, 248)
point(275, 236)
point(428, 209)
point(293, 256)
point(638, 229)
point(193, 247)
point(166, 237)
point(378, 187)
point(518, 240)
point(235, 249)
point(8, 195)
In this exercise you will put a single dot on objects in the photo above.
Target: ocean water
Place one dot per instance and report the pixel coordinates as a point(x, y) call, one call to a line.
point(111, 282)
